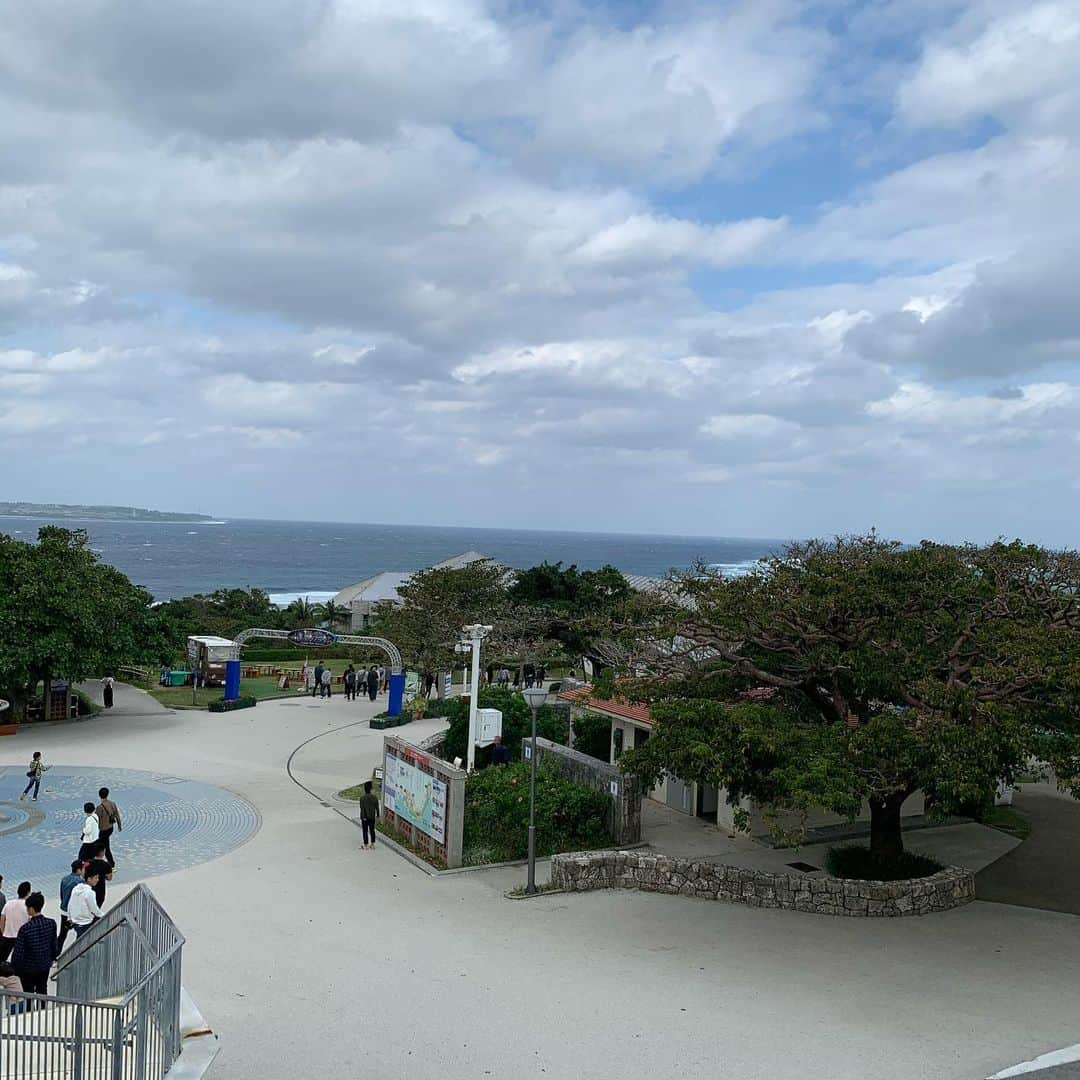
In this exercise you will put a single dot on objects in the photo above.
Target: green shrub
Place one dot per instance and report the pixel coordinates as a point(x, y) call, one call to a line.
point(569, 817)
point(858, 862)
point(245, 701)
point(592, 735)
point(516, 724)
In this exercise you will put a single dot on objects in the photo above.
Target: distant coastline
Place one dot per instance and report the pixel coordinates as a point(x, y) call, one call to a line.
point(70, 512)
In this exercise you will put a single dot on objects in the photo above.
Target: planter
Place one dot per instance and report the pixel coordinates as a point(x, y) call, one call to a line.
point(221, 705)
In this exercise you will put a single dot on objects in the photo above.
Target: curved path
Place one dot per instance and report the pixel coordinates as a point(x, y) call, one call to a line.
point(312, 958)
point(1043, 872)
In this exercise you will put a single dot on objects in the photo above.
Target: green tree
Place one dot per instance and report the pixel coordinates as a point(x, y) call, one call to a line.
point(65, 614)
point(436, 604)
point(300, 613)
point(224, 612)
point(858, 670)
point(333, 615)
point(578, 605)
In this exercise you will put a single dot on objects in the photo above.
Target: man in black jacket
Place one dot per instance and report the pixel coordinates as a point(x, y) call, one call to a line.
point(35, 948)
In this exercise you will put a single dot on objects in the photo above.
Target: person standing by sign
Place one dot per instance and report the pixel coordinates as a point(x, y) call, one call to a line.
point(350, 683)
point(327, 680)
point(369, 814)
point(316, 686)
point(372, 683)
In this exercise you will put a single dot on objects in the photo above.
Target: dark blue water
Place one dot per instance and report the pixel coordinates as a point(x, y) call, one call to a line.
point(316, 558)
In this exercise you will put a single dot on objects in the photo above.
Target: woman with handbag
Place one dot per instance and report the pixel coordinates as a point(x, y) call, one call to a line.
point(37, 767)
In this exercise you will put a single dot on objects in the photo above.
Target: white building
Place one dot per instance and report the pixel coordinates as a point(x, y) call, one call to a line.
point(361, 597)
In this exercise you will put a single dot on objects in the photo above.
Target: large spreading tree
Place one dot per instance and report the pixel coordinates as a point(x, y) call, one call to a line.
point(63, 613)
point(861, 671)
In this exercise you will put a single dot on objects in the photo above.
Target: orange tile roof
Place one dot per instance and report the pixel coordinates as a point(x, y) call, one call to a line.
point(628, 710)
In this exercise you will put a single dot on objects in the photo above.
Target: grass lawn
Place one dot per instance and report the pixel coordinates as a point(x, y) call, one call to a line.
point(355, 793)
point(261, 688)
point(1009, 821)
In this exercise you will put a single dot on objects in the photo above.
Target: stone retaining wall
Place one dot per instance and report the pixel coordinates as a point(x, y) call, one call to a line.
point(580, 871)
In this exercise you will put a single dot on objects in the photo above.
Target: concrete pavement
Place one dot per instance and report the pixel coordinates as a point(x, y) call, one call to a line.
point(311, 958)
point(1044, 871)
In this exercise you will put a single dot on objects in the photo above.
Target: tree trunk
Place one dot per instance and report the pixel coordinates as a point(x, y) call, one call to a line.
point(886, 839)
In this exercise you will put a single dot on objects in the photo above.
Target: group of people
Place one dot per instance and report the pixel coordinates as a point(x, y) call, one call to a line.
point(531, 674)
point(319, 681)
point(30, 941)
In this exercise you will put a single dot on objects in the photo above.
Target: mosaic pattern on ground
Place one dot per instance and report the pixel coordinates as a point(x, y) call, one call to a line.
point(169, 823)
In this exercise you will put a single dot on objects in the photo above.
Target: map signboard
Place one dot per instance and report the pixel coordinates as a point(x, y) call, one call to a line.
point(416, 797)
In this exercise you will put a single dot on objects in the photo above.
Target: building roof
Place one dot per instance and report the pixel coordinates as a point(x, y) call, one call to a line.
point(627, 710)
point(384, 586)
point(456, 562)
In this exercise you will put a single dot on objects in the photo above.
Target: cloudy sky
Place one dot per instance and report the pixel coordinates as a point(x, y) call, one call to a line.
point(760, 268)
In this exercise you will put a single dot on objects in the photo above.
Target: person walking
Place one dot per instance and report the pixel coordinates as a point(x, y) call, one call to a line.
point(372, 683)
point(541, 675)
point(35, 947)
point(3, 898)
point(91, 832)
point(107, 692)
point(67, 884)
point(83, 905)
point(429, 683)
point(99, 867)
point(382, 679)
point(108, 815)
point(327, 682)
point(317, 685)
point(12, 918)
point(369, 814)
point(349, 680)
point(530, 675)
point(37, 767)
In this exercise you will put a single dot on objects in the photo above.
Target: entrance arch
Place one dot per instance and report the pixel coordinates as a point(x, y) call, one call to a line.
point(317, 638)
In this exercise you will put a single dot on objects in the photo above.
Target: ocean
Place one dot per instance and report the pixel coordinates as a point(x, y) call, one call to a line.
point(315, 559)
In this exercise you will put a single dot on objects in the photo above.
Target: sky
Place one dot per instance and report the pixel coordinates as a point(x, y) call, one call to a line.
point(764, 268)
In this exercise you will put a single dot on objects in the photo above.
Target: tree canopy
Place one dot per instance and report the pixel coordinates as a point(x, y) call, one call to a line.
point(65, 614)
point(859, 669)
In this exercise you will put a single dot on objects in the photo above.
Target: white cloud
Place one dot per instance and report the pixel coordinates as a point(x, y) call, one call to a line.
point(1027, 55)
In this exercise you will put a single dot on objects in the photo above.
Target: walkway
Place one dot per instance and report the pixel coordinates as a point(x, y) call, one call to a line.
point(1043, 872)
point(314, 959)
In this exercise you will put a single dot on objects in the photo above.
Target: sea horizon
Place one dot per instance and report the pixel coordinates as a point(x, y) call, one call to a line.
point(292, 558)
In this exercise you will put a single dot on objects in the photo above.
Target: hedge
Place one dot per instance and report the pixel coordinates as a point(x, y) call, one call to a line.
point(516, 723)
point(244, 702)
point(569, 817)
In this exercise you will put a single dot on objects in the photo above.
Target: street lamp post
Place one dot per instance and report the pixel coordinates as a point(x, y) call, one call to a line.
point(534, 698)
point(471, 638)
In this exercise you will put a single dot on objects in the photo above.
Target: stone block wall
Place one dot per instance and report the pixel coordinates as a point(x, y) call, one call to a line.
point(581, 871)
point(624, 817)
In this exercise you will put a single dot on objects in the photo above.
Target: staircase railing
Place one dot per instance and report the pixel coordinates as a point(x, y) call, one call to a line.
point(117, 1012)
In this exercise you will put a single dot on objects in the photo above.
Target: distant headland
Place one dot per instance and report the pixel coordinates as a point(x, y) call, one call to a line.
point(94, 513)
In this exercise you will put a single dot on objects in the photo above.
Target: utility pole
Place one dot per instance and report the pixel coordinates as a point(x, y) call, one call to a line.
point(471, 638)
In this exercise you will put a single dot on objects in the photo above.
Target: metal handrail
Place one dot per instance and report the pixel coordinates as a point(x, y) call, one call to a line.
point(131, 956)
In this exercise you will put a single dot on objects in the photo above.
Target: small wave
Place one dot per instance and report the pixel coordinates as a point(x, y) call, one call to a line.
point(735, 569)
point(192, 532)
point(313, 596)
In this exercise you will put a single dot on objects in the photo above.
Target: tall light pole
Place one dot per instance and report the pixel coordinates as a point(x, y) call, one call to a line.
point(535, 696)
point(471, 638)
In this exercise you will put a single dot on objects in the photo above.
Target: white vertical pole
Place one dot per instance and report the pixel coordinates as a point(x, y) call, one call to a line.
point(473, 695)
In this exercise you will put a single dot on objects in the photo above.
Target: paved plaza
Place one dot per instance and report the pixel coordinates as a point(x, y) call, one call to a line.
point(170, 822)
point(314, 959)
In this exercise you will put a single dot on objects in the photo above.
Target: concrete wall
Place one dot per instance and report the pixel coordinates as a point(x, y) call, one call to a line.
point(582, 871)
point(624, 817)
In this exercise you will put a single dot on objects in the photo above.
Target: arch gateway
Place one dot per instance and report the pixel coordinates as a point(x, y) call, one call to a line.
point(317, 638)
